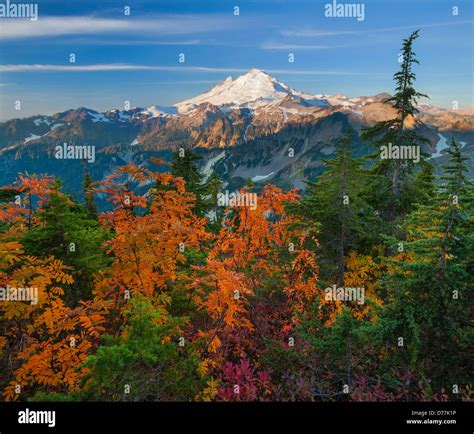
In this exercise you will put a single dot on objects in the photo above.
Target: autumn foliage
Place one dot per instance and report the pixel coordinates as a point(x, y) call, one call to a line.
point(183, 310)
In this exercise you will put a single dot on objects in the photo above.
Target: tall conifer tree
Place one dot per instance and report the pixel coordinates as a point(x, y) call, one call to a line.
point(337, 202)
point(397, 174)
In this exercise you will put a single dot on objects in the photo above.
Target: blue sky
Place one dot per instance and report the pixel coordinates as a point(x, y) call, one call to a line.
point(136, 57)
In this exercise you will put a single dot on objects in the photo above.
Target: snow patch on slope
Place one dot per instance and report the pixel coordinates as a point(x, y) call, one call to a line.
point(98, 117)
point(40, 121)
point(261, 177)
point(207, 169)
point(156, 111)
point(442, 144)
point(31, 137)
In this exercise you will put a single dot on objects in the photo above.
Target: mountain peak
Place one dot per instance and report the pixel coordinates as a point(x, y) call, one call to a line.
point(255, 72)
point(253, 89)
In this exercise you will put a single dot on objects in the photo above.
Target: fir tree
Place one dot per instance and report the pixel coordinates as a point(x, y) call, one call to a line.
point(67, 232)
point(184, 166)
point(425, 184)
point(396, 175)
point(337, 203)
point(430, 285)
point(90, 204)
point(7, 194)
point(149, 349)
point(213, 188)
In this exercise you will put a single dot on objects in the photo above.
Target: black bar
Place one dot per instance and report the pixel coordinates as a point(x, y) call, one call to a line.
point(298, 417)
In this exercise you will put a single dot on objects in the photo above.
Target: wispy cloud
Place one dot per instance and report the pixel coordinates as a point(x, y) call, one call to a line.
point(49, 26)
point(131, 42)
point(175, 82)
point(193, 69)
point(322, 72)
point(113, 67)
point(285, 46)
point(312, 32)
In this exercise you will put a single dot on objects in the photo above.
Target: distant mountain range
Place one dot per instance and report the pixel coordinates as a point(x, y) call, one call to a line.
point(243, 128)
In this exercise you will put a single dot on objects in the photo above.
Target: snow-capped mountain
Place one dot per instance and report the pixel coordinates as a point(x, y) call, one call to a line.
point(254, 89)
point(242, 127)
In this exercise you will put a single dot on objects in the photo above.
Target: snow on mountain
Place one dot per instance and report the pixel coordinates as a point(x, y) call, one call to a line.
point(257, 89)
point(233, 112)
point(42, 120)
point(31, 137)
point(440, 146)
point(242, 127)
point(98, 117)
point(207, 169)
point(262, 177)
point(123, 116)
point(254, 89)
point(156, 111)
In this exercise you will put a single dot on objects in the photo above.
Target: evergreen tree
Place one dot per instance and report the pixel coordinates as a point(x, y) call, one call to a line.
point(7, 194)
point(147, 358)
point(90, 205)
point(430, 285)
point(67, 232)
point(425, 184)
point(453, 177)
point(396, 175)
point(213, 188)
point(184, 166)
point(337, 203)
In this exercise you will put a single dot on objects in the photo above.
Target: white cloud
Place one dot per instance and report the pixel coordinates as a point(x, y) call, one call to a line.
point(284, 46)
point(127, 42)
point(194, 69)
point(311, 32)
point(314, 32)
point(84, 25)
point(113, 67)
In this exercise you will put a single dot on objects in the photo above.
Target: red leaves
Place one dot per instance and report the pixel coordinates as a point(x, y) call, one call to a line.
point(240, 382)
